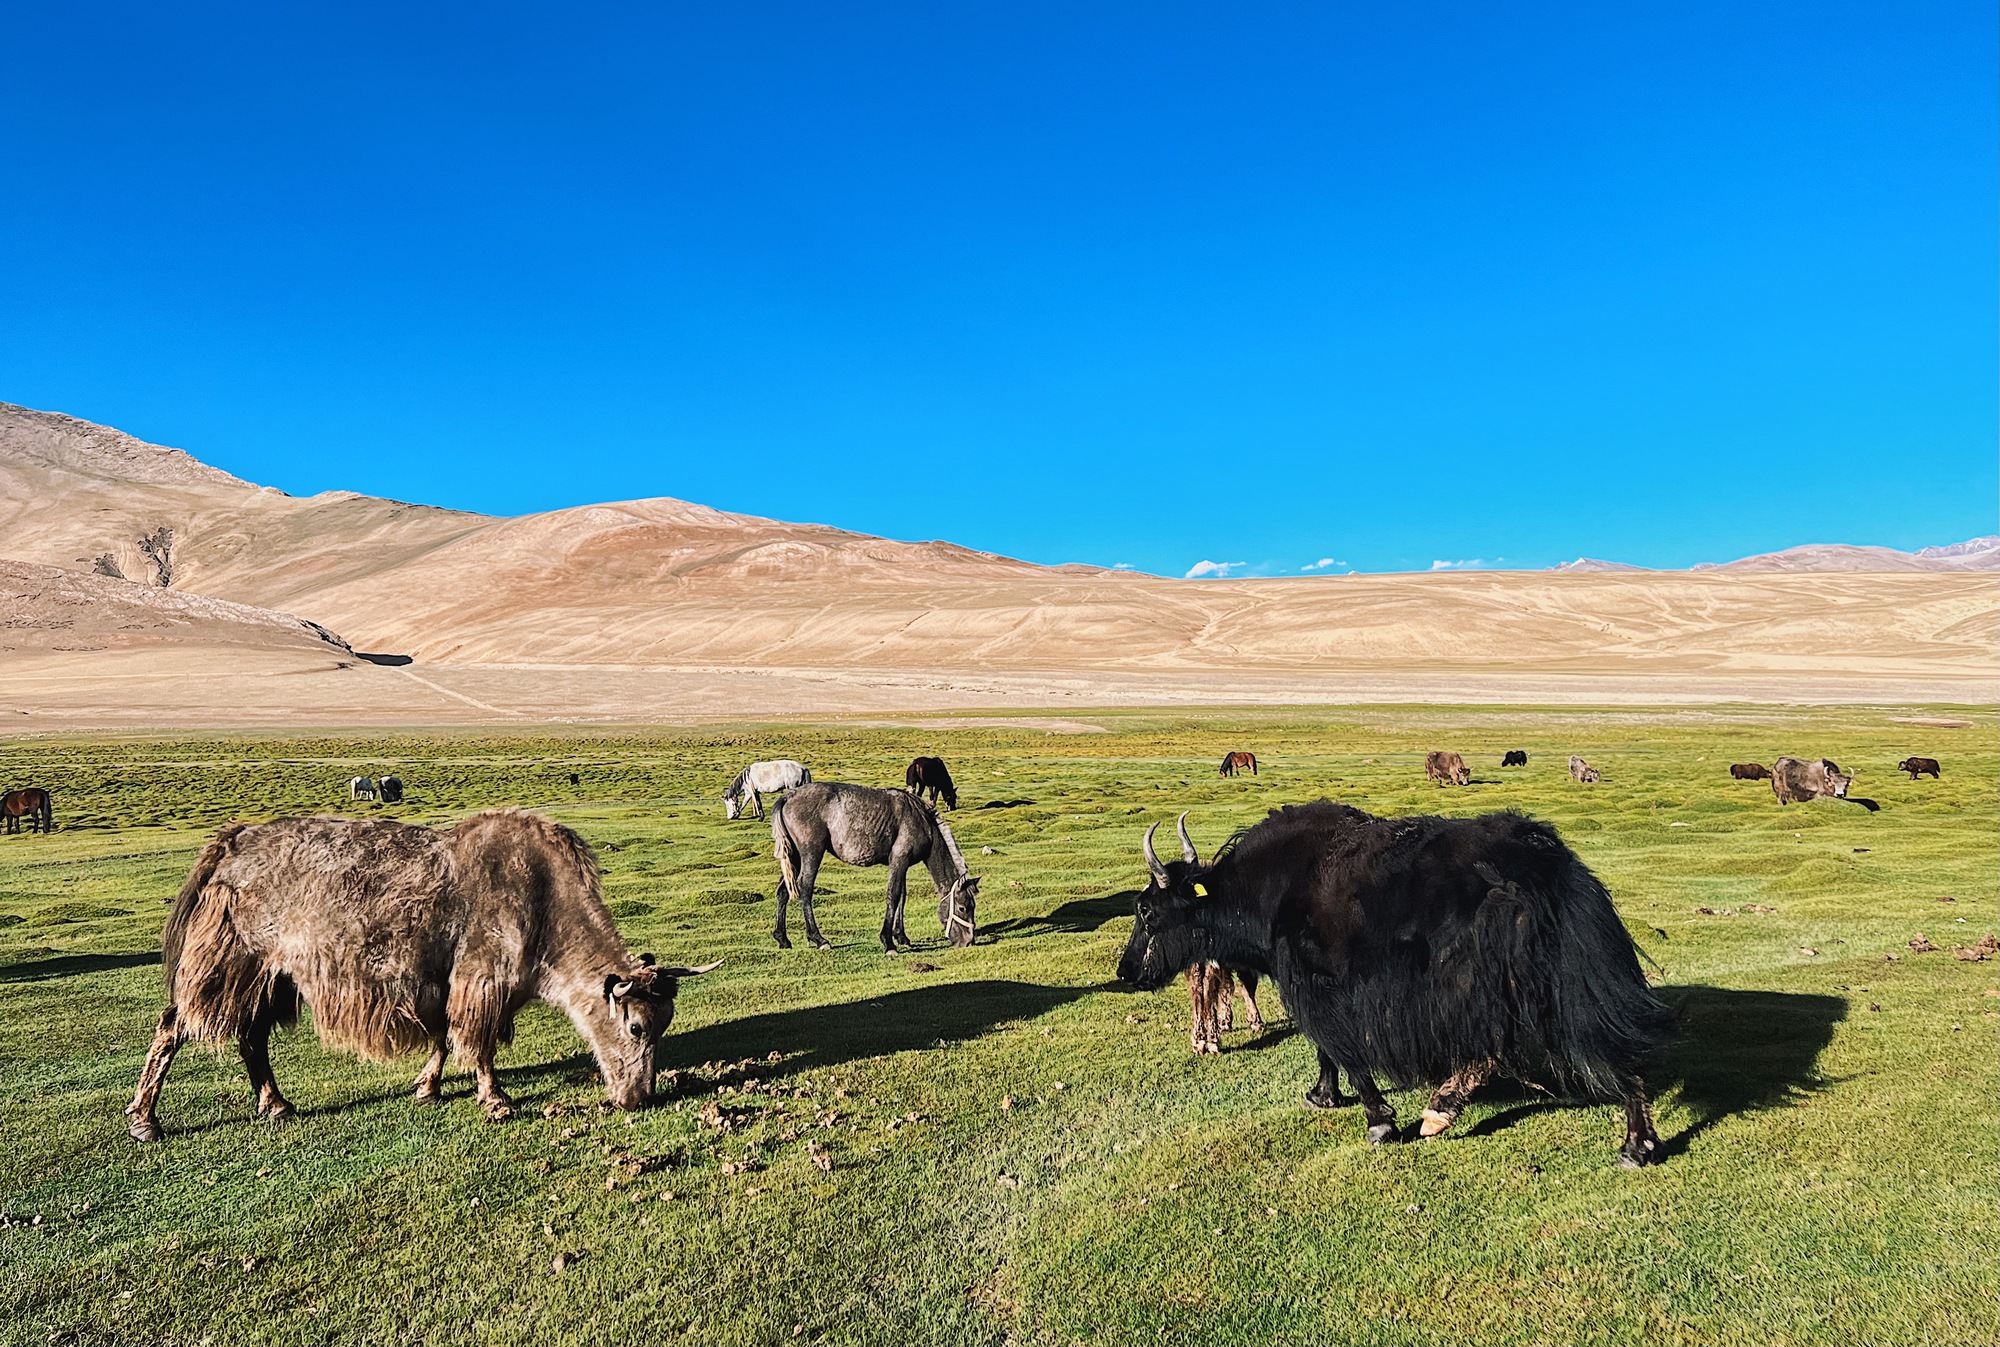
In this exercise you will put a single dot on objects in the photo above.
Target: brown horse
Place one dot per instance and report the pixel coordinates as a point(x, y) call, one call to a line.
point(1232, 763)
point(32, 804)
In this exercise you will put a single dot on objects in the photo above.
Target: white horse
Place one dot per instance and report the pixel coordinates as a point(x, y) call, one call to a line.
point(759, 779)
point(362, 788)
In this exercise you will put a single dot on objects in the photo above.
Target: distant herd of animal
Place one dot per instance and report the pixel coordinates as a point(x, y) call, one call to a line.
point(1442, 952)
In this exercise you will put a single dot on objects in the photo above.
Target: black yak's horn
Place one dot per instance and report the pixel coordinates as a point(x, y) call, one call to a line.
point(1188, 853)
point(1153, 857)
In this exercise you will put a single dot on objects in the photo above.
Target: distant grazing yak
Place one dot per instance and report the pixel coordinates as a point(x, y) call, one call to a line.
point(1916, 766)
point(1583, 772)
point(1794, 780)
point(1428, 950)
point(1447, 769)
point(1750, 771)
point(1515, 758)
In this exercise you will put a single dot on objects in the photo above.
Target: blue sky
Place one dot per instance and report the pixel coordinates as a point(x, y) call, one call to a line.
point(1274, 287)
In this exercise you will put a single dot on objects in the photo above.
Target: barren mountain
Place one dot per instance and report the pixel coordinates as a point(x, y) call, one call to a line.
point(660, 608)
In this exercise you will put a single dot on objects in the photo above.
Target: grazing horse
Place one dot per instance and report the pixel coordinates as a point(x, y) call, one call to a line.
point(362, 788)
point(929, 774)
point(1430, 950)
point(864, 825)
point(1232, 763)
point(32, 804)
point(402, 939)
point(759, 779)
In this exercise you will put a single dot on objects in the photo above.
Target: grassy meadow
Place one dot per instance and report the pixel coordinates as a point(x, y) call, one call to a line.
point(997, 1144)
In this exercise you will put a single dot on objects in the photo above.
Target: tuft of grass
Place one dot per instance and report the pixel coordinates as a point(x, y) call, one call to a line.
point(997, 1144)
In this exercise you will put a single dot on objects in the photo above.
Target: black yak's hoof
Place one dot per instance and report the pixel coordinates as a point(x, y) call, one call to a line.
point(1637, 1154)
point(784, 941)
point(1323, 1095)
point(828, 945)
point(1384, 1134)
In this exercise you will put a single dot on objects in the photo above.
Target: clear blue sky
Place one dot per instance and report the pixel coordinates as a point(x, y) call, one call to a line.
point(1158, 284)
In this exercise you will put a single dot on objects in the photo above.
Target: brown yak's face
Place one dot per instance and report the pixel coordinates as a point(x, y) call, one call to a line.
point(640, 1008)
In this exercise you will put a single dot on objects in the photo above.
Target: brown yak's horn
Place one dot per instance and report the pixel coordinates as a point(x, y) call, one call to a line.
point(1153, 857)
point(1188, 853)
point(679, 971)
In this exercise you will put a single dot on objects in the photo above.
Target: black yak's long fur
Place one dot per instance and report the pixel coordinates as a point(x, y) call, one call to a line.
point(1418, 948)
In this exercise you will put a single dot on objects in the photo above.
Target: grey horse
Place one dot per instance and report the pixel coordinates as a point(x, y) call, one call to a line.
point(759, 779)
point(863, 825)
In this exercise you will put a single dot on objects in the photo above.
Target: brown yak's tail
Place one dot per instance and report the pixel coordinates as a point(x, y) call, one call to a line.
point(213, 980)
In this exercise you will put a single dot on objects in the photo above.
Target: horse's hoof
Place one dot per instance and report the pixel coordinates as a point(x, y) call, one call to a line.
point(1383, 1134)
point(146, 1129)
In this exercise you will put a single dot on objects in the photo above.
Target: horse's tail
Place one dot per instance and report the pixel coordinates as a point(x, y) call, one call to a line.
point(785, 848)
point(48, 812)
point(805, 775)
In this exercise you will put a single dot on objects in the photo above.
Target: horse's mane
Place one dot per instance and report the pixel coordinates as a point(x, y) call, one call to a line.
point(736, 786)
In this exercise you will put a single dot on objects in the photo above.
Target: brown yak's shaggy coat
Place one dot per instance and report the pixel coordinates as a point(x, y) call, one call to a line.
point(402, 938)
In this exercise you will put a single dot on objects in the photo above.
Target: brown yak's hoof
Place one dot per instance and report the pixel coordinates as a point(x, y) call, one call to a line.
point(146, 1129)
point(1434, 1123)
point(498, 1110)
point(428, 1097)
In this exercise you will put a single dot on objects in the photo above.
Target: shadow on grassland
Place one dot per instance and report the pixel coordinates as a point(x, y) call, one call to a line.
point(812, 1037)
point(1072, 918)
point(1733, 1052)
point(69, 965)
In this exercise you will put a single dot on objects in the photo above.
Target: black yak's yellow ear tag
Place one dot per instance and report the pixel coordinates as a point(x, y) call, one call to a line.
point(1200, 889)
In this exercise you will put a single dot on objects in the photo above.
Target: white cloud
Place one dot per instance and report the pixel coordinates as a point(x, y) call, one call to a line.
point(1321, 564)
point(1213, 570)
point(1121, 566)
point(1471, 565)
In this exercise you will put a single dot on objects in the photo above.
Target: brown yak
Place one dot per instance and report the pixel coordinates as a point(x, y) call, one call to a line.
point(402, 938)
point(1583, 772)
point(1447, 769)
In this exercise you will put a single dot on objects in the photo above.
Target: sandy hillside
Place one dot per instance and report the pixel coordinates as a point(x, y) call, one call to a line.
point(662, 610)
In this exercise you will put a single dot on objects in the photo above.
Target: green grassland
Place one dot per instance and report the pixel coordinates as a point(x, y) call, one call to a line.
point(997, 1144)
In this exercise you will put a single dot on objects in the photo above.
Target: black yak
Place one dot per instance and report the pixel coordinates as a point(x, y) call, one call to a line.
point(1749, 771)
point(1430, 950)
point(1514, 758)
point(1917, 766)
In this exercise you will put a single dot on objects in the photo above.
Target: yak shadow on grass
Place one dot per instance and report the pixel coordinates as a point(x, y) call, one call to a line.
point(70, 965)
point(1072, 918)
point(812, 1037)
point(1733, 1052)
